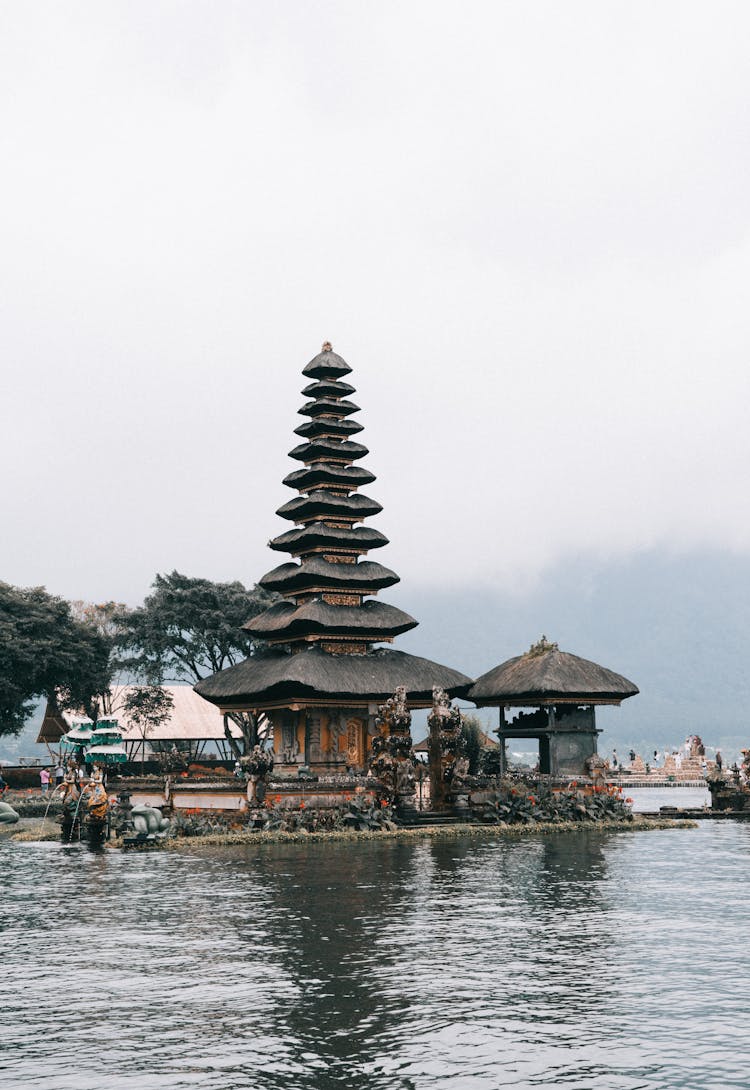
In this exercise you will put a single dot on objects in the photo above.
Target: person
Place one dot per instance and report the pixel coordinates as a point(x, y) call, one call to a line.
point(59, 774)
point(3, 784)
point(631, 755)
point(44, 776)
point(614, 758)
point(719, 760)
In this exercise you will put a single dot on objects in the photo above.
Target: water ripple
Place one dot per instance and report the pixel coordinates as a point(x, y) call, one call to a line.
point(592, 962)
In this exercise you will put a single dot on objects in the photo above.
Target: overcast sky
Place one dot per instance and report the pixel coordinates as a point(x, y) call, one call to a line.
point(524, 225)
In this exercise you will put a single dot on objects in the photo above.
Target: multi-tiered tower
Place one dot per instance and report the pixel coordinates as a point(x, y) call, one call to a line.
point(322, 679)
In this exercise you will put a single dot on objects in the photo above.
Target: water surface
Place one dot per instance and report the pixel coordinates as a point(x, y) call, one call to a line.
point(593, 961)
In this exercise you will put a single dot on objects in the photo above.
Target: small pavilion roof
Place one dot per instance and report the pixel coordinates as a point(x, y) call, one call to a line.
point(322, 473)
point(318, 535)
point(545, 675)
point(355, 507)
point(329, 449)
point(325, 427)
point(277, 679)
point(328, 387)
point(317, 573)
point(328, 406)
point(371, 621)
point(327, 364)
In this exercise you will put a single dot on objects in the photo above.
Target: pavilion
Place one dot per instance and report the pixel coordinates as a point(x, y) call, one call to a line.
point(323, 677)
point(564, 691)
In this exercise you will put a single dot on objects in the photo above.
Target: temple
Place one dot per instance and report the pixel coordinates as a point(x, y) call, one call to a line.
point(563, 690)
point(323, 677)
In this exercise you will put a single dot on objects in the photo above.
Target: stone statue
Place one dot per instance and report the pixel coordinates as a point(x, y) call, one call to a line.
point(391, 753)
point(596, 767)
point(149, 821)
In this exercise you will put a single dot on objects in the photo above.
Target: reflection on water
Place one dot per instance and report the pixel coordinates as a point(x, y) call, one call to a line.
point(587, 961)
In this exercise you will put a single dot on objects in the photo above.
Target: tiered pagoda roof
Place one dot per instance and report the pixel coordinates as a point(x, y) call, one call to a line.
point(327, 623)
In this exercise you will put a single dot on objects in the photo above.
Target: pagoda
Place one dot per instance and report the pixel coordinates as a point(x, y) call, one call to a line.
point(322, 678)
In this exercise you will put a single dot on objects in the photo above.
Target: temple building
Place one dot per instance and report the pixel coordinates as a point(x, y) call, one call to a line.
point(563, 690)
point(323, 675)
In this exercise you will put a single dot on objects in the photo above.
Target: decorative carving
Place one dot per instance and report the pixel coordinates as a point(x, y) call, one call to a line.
point(342, 599)
point(289, 740)
point(314, 751)
point(596, 767)
point(342, 648)
point(444, 749)
point(391, 760)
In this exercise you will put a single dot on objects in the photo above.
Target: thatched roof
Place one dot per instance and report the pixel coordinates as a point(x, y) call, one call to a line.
point(370, 621)
point(191, 718)
point(316, 573)
point(327, 509)
point(328, 450)
point(325, 427)
point(278, 679)
point(319, 535)
point(328, 406)
point(545, 675)
point(328, 387)
point(326, 365)
point(323, 473)
point(355, 507)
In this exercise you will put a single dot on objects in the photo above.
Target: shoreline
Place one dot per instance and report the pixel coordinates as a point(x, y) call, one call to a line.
point(29, 831)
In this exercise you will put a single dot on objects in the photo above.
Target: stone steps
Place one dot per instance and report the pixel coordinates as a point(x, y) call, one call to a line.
point(422, 819)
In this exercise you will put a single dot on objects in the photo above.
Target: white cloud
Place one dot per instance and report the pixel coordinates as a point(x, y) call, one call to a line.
point(525, 226)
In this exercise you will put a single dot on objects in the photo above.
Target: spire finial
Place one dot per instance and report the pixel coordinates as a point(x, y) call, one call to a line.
point(327, 346)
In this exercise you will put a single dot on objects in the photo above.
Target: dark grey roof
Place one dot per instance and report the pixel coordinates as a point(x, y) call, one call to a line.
point(322, 473)
point(355, 507)
point(325, 406)
point(319, 535)
point(316, 573)
point(325, 426)
point(327, 365)
point(283, 678)
point(328, 387)
point(546, 674)
point(370, 621)
point(328, 449)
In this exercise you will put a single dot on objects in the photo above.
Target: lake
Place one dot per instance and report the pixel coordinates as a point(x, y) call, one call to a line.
point(592, 961)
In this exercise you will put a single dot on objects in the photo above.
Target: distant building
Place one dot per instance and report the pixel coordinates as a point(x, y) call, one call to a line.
point(193, 724)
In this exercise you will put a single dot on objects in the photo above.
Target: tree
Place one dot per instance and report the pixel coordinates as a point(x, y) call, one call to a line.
point(472, 741)
point(188, 628)
point(46, 652)
point(147, 707)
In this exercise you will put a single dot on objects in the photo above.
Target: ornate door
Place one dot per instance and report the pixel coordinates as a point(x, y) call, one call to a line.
point(355, 743)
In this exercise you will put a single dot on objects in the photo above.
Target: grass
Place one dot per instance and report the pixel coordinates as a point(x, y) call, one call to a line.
point(30, 831)
point(445, 831)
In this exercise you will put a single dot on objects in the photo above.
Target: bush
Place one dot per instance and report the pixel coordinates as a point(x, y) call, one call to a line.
point(514, 803)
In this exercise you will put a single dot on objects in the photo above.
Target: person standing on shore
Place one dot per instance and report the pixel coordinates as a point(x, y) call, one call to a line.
point(45, 778)
point(59, 774)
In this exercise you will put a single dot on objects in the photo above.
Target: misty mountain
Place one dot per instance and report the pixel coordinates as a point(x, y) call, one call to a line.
point(678, 625)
